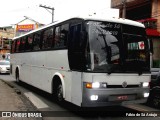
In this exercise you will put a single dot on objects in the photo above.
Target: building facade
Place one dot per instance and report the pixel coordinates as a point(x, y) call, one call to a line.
point(26, 25)
point(7, 33)
point(148, 13)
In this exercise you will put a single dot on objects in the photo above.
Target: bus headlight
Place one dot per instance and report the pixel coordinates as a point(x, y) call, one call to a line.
point(145, 84)
point(146, 95)
point(96, 85)
point(93, 85)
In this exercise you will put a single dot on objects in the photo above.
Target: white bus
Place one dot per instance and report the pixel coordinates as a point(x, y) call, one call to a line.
point(89, 62)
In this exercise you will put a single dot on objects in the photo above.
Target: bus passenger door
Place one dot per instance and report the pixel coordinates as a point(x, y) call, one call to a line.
point(76, 89)
point(75, 56)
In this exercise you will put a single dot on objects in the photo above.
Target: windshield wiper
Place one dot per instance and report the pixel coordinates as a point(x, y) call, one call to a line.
point(106, 48)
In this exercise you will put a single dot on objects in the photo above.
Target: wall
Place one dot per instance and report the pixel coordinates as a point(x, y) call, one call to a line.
point(156, 12)
point(6, 34)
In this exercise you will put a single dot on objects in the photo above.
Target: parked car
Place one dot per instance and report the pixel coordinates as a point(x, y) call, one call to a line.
point(154, 97)
point(4, 66)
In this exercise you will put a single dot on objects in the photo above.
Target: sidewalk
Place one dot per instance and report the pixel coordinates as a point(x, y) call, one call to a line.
point(12, 100)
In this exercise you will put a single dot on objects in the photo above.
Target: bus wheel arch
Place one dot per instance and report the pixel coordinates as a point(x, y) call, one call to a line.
point(58, 87)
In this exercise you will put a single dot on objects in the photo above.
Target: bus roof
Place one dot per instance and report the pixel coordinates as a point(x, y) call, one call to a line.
point(118, 20)
point(92, 18)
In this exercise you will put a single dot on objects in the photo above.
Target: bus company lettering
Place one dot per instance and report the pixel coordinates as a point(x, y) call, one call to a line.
point(104, 32)
point(26, 114)
point(107, 25)
point(34, 115)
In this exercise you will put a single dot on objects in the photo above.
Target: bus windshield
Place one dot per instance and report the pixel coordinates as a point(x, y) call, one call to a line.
point(116, 48)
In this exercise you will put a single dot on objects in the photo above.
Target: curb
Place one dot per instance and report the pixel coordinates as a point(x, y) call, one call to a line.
point(23, 97)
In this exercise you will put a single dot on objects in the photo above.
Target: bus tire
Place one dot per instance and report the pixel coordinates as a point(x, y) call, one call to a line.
point(57, 90)
point(17, 76)
point(59, 93)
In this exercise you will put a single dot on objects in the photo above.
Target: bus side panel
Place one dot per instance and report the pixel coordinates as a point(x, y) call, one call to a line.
point(16, 62)
point(38, 69)
point(25, 67)
point(55, 61)
point(76, 89)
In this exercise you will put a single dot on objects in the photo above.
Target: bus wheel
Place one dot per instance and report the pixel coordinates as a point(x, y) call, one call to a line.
point(59, 93)
point(17, 76)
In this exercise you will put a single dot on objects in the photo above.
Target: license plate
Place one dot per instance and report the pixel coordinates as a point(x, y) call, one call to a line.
point(121, 97)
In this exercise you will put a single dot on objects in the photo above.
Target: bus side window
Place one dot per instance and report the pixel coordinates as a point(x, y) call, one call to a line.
point(18, 44)
point(61, 36)
point(64, 34)
point(29, 43)
point(37, 41)
point(57, 38)
point(22, 45)
point(47, 38)
point(75, 32)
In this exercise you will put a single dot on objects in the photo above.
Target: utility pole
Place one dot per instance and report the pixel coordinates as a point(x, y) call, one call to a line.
point(52, 9)
point(124, 9)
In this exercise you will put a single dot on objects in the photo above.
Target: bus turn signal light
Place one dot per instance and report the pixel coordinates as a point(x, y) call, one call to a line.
point(89, 85)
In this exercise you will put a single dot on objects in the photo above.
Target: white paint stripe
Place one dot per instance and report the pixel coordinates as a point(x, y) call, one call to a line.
point(35, 100)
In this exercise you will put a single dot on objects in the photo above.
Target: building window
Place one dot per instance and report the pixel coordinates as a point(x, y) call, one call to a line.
point(156, 54)
point(150, 24)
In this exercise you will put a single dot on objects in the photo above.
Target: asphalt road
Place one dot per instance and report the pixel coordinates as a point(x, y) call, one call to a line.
point(53, 111)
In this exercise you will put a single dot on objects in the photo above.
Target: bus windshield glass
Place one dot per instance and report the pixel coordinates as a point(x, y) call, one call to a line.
point(116, 48)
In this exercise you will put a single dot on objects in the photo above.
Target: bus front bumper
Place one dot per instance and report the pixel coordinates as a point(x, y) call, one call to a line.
point(113, 96)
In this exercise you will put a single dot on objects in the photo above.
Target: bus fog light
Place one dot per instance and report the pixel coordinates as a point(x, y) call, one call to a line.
point(95, 85)
point(145, 84)
point(94, 97)
point(146, 95)
point(104, 85)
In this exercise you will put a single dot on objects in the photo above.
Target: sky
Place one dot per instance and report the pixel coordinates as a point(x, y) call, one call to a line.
point(13, 11)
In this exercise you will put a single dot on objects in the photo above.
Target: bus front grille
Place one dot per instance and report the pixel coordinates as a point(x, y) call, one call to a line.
point(120, 86)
